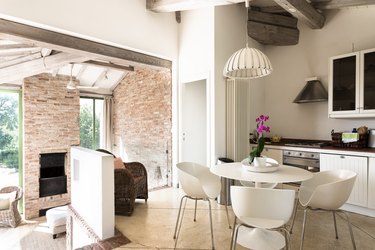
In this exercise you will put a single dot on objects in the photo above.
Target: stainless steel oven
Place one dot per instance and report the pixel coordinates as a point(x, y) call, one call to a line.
point(300, 159)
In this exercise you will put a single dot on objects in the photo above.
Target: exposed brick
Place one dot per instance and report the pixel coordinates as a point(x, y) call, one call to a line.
point(51, 124)
point(143, 121)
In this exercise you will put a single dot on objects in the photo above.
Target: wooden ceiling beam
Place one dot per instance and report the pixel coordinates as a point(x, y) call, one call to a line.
point(20, 59)
point(304, 12)
point(109, 65)
point(337, 4)
point(79, 46)
point(37, 66)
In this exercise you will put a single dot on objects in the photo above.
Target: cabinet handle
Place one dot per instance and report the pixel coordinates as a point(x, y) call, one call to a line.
point(342, 156)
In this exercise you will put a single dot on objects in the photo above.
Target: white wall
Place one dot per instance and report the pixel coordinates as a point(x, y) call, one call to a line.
point(196, 61)
point(126, 23)
point(92, 193)
point(292, 64)
point(230, 36)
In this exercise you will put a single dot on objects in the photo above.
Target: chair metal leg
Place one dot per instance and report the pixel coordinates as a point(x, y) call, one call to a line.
point(179, 228)
point(195, 210)
point(212, 231)
point(334, 222)
point(178, 216)
point(226, 209)
point(350, 230)
point(288, 242)
point(233, 232)
point(303, 228)
point(235, 237)
point(294, 215)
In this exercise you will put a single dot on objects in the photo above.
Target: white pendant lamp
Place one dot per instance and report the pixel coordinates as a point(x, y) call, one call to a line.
point(247, 63)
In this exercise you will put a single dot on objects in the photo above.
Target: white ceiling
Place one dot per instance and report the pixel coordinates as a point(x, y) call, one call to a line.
point(91, 78)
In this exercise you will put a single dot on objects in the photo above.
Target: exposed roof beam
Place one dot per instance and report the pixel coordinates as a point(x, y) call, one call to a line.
point(37, 66)
point(109, 65)
point(5, 50)
point(100, 77)
point(178, 5)
point(20, 60)
point(75, 45)
point(119, 80)
point(304, 12)
point(337, 4)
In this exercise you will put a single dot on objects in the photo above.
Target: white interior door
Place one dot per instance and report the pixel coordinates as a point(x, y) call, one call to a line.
point(193, 132)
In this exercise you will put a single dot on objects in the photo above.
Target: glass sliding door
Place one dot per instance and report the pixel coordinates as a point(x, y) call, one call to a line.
point(10, 138)
point(91, 116)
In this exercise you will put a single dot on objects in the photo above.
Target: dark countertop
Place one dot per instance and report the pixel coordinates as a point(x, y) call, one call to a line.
point(327, 145)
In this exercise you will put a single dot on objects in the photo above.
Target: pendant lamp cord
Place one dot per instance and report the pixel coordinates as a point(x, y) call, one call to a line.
point(247, 17)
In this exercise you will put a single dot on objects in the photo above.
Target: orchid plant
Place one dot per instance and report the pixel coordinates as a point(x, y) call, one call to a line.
point(261, 128)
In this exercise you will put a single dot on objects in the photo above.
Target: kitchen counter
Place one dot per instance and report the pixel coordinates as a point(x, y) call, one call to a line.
point(368, 152)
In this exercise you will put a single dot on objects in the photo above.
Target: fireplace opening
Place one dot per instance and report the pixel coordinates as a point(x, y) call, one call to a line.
point(52, 179)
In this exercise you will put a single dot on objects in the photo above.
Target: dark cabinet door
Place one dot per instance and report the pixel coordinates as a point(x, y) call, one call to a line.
point(369, 80)
point(344, 83)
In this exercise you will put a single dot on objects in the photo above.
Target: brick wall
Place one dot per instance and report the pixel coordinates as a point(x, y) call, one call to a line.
point(143, 121)
point(51, 124)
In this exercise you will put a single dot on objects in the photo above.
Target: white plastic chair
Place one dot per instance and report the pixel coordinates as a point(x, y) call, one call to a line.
point(327, 190)
point(199, 184)
point(265, 209)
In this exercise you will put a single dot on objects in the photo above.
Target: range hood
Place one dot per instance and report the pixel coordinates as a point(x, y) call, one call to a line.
point(312, 92)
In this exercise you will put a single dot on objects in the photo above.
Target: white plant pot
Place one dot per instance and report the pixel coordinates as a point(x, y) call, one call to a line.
point(260, 161)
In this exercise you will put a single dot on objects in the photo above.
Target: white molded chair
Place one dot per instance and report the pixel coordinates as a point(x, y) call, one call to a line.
point(261, 210)
point(199, 184)
point(327, 190)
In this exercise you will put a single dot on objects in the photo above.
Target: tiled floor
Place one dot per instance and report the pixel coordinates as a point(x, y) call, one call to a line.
point(152, 226)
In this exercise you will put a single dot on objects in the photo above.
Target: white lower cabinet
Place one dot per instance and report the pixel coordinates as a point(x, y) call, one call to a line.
point(371, 183)
point(357, 164)
point(276, 154)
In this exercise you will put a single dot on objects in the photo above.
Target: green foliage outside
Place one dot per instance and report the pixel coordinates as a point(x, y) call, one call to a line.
point(9, 130)
point(87, 127)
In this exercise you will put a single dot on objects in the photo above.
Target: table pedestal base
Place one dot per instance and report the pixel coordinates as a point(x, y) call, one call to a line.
point(262, 239)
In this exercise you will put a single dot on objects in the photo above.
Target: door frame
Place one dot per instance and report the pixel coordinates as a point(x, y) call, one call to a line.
point(210, 130)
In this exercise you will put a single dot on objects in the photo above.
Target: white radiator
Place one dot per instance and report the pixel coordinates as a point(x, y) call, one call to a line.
point(238, 114)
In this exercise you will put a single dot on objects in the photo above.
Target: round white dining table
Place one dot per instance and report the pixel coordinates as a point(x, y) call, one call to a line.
point(257, 238)
point(283, 173)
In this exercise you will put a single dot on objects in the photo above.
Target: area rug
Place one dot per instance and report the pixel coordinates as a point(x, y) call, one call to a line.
point(40, 240)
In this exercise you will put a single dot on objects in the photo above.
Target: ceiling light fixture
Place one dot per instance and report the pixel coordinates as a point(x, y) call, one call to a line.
point(247, 63)
point(71, 85)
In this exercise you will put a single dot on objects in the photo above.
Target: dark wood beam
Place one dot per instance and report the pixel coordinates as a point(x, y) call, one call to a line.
point(269, 34)
point(110, 65)
point(75, 45)
point(274, 19)
point(304, 12)
point(337, 4)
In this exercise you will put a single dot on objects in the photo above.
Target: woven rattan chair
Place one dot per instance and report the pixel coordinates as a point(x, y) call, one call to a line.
point(130, 184)
point(11, 217)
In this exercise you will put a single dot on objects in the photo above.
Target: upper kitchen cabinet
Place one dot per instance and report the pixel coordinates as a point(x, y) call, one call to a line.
point(352, 85)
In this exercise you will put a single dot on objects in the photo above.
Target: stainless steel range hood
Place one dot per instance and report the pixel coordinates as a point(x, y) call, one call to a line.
point(312, 92)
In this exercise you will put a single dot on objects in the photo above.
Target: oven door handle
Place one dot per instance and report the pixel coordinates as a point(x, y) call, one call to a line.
point(302, 163)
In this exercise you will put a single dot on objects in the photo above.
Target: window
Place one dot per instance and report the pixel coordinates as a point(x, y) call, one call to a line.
point(10, 138)
point(90, 121)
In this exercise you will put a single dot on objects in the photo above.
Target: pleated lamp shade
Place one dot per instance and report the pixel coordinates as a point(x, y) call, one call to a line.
point(247, 63)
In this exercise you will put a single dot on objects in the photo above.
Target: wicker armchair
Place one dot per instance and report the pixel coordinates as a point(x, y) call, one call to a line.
point(11, 217)
point(130, 184)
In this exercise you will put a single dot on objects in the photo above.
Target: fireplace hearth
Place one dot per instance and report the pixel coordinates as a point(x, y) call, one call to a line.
point(52, 179)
